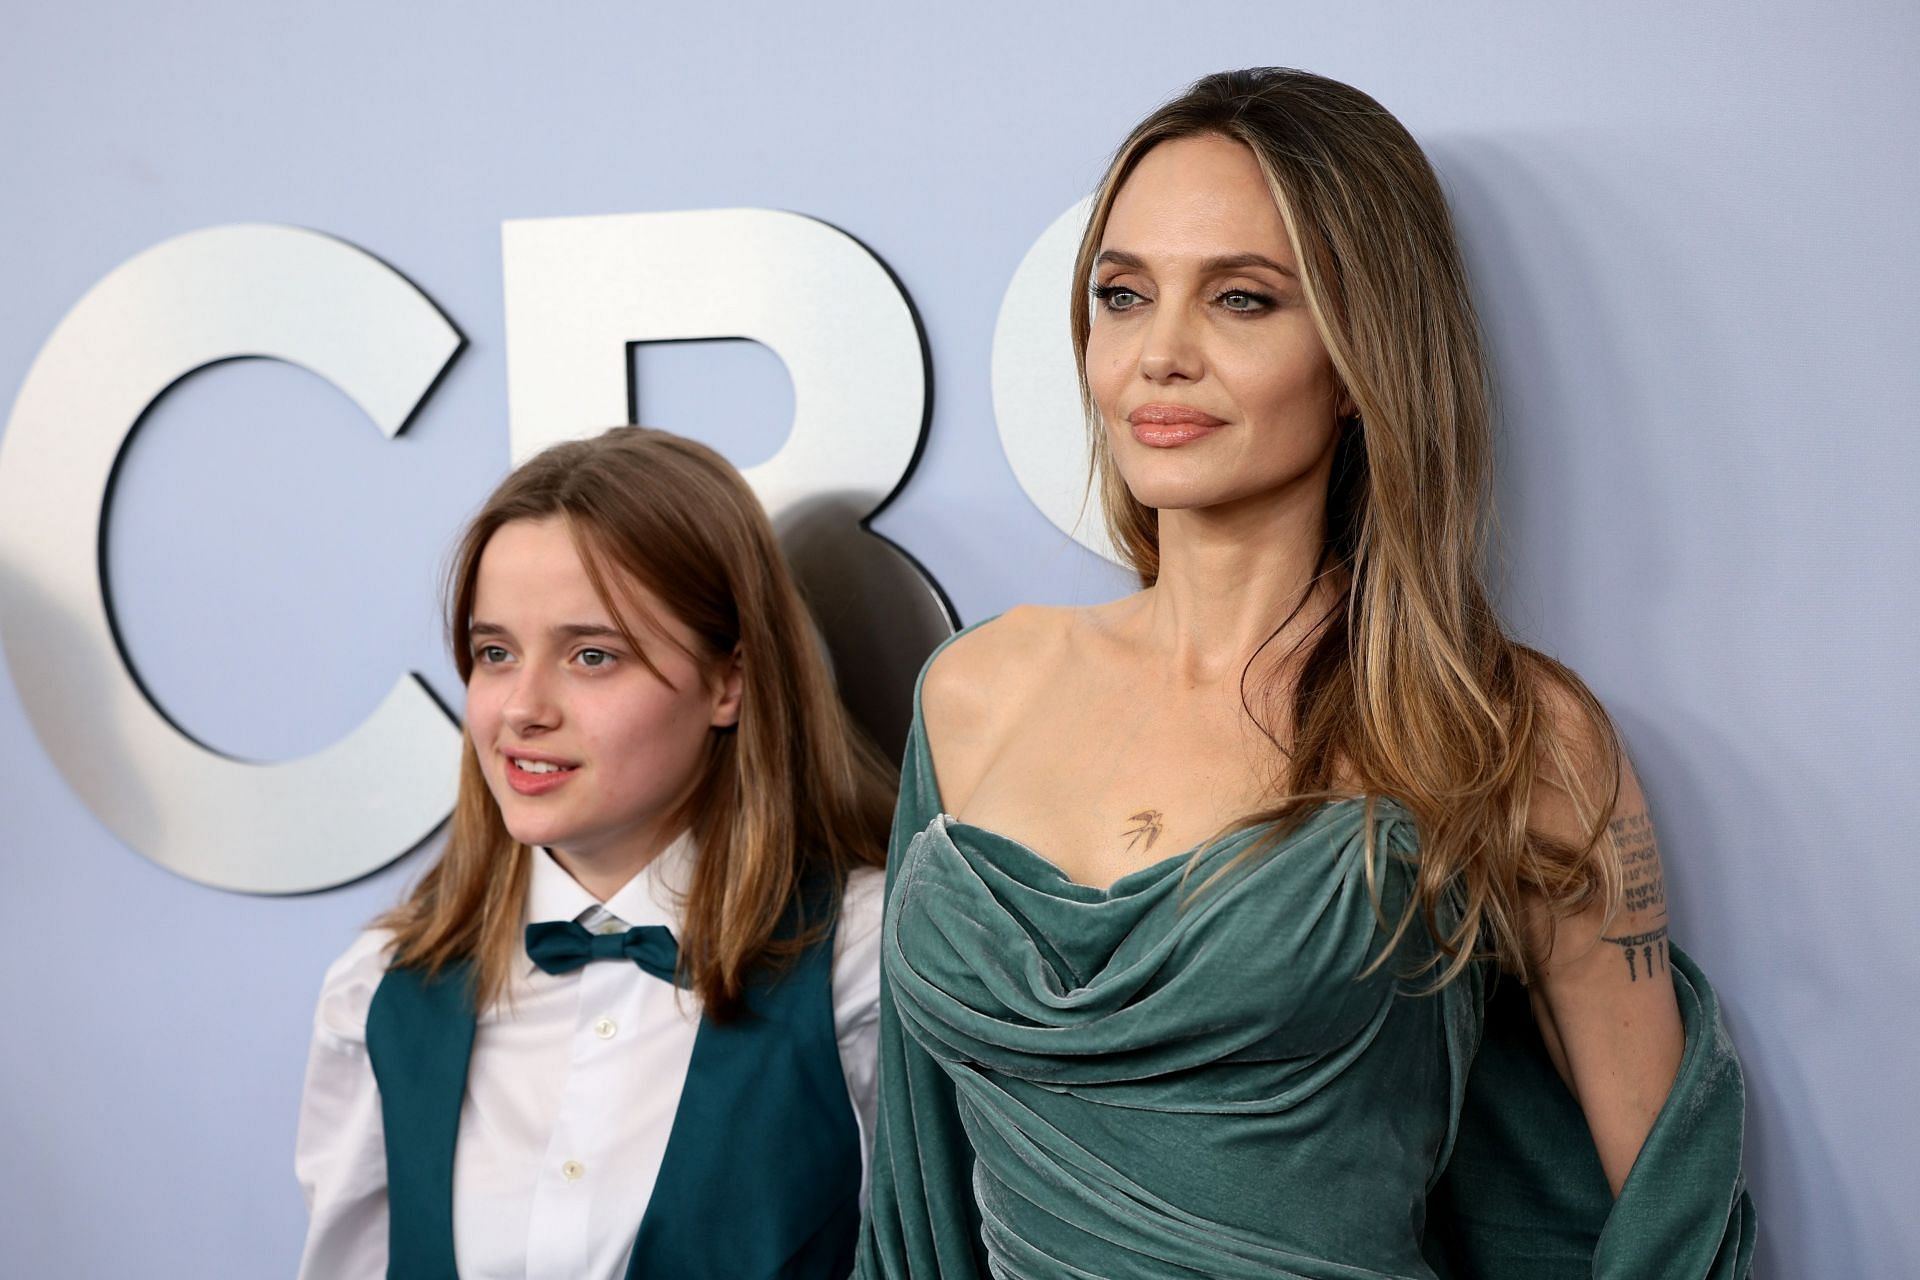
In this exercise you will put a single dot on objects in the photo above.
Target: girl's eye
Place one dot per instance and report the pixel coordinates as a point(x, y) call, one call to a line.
point(1117, 297)
point(490, 654)
point(595, 658)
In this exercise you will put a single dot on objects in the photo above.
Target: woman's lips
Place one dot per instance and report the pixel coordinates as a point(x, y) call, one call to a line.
point(1168, 426)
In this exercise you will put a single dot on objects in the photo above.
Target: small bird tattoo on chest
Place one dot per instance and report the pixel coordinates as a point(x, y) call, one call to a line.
point(1145, 830)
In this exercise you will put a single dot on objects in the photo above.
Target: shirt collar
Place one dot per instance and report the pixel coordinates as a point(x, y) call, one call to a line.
point(653, 896)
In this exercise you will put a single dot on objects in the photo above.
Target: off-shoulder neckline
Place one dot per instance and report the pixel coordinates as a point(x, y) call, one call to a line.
point(919, 744)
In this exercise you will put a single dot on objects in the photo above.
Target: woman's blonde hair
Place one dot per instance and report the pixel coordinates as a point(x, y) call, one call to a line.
point(789, 800)
point(1410, 687)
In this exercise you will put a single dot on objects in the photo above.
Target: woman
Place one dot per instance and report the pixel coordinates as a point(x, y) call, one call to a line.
point(1196, 895)
point(638, 988)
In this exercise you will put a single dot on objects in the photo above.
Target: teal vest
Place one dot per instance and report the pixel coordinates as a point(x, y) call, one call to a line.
point(761, 1178)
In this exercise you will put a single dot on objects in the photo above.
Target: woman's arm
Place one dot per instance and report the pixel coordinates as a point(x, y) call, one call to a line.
point(1523, 1197)
point(1603, 994)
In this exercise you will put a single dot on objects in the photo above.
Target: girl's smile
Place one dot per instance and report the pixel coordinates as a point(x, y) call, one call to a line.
point(532, 775)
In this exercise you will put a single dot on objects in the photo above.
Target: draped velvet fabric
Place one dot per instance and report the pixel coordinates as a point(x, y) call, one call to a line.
point(1200, 1072)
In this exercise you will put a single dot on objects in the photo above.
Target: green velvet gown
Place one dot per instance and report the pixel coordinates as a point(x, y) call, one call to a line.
point(1151, 1082)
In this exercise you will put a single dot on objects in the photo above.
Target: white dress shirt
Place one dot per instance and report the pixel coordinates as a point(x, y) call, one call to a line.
point(571, 1092)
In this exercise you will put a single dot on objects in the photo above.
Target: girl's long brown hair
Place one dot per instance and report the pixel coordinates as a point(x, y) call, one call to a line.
point(790, 800)
point(1410, 687)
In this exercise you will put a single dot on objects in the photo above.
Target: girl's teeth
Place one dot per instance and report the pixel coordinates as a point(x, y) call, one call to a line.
point(535, 766)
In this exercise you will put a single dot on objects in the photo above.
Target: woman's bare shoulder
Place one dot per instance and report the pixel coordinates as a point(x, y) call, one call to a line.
point(1581, 771)
point(1588, 801)
point(977, 685)
point(992, 662)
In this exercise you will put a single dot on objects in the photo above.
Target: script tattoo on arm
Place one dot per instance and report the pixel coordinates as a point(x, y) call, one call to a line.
point(1646, 894)
point(1652, 947)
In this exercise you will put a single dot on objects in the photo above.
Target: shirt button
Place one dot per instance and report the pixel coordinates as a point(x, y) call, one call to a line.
point(605, 1028)
point(573, 1171)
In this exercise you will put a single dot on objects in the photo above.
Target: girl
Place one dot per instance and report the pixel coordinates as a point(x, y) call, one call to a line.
point(625, 1024)
point(1195, 895)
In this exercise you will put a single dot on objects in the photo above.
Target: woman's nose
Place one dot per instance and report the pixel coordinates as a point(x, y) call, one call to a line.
point(1170, 349)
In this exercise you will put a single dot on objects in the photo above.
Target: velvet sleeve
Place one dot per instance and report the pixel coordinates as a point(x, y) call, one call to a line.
point(1524, 1196)
point(921, 1221)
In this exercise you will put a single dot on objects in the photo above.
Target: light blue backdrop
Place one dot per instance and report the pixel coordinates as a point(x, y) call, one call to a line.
point(1691, 234)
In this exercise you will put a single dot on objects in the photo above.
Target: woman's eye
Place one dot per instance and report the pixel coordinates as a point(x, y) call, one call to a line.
point(1117, 297)
point(1242, 300)
point(595, 658)
point(490, 654)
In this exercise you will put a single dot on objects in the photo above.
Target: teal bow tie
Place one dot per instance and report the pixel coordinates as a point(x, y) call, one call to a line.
point(561, 946)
